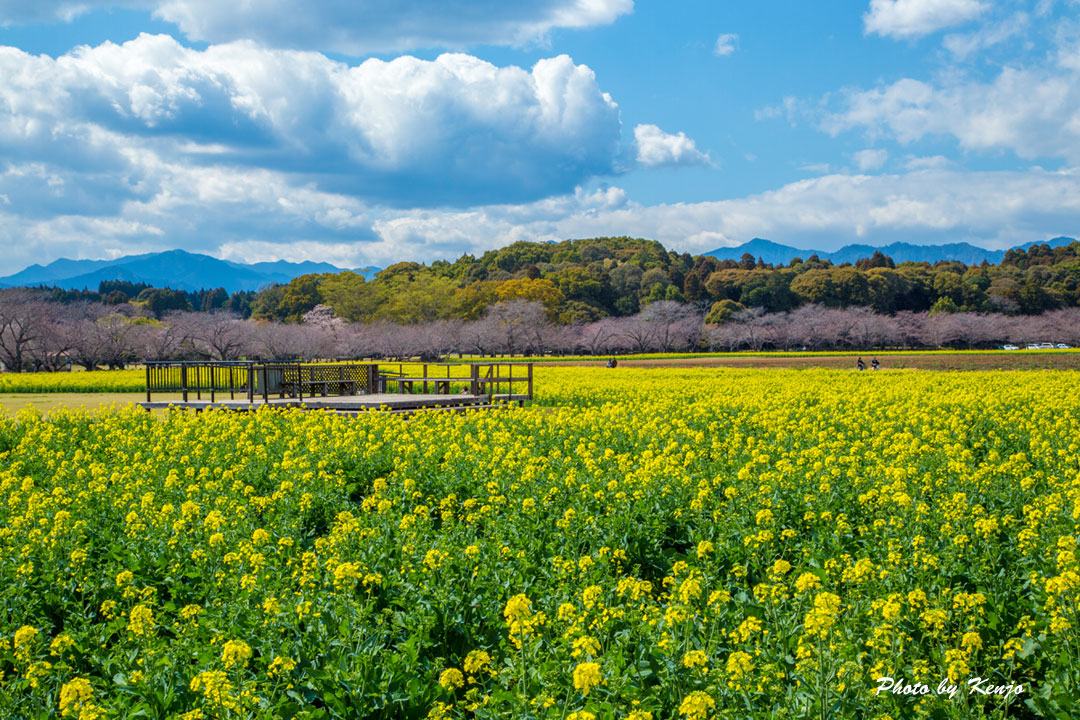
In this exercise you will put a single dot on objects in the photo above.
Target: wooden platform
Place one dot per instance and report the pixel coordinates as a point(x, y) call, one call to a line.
point(348, 404)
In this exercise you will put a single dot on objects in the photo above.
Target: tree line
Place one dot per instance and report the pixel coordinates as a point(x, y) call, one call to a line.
point(37, 333)
point(597, 296)
point(581, 281)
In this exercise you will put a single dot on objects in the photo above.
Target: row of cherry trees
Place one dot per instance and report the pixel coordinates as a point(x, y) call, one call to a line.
point(39, 335)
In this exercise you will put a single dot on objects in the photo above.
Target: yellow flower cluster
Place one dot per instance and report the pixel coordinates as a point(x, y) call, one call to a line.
point(236, 653)
point(587, 676)
point(77, 700)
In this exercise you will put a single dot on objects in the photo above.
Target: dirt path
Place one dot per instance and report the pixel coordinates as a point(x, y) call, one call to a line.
point(1021, 360)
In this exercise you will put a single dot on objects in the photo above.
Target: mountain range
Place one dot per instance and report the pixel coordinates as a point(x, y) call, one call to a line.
point(176, 269)
point(182, 270)
point(775, 253)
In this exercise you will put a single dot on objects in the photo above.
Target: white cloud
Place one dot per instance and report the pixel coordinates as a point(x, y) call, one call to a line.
point(994, 209)
point(964, 45)
point(725, 44)
point(357, 27)
point(912, 18)
point(1032, 112)
point(201, 209)
point(455, 130)
point(933, 162)
point(658, 148)
point(238, 214)
point(341, 254)
point(870, 159)
point(1067, 41)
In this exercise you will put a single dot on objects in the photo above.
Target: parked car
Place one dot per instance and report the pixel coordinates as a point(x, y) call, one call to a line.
point(1033, 346)
point(1009, 347)
point(1046, 346)
point(1062, 346)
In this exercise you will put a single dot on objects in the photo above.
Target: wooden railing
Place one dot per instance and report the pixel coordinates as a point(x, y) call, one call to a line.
point(498, 381)
point(259, 379)
point(199, 377)
point(322, 380)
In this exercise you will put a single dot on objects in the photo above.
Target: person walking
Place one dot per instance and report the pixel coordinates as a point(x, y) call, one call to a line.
point(860, 365)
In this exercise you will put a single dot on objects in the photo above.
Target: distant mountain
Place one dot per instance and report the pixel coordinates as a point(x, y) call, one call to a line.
point(906, 252)
point(177, 269)
point(766, 250)
point(775, 253)
point(1053, 242)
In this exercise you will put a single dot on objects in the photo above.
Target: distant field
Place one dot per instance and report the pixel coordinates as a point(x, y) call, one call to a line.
point(45, 403)
point(770, 354)
point(99, 381)
point(1064, 360)
point(892, 360)
point(133, 381)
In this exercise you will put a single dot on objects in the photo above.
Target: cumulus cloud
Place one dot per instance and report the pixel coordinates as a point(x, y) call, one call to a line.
point(995, 209)
point(259, 215)
point(725, 44)
point(658, 148)
point(357, 27)
point(1032, 112)
point(455, 130)
point(913, 18)
point(870, 159)
point(202, 209)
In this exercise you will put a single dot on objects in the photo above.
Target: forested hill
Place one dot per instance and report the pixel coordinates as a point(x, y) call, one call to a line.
point(583, 280)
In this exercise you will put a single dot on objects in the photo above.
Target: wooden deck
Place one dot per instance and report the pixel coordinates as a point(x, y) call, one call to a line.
point(342, 388)
point(348, 404)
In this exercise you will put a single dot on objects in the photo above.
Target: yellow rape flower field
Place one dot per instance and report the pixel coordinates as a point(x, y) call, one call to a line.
point(639, 543)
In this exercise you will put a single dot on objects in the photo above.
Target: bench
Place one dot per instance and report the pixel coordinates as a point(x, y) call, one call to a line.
point(442, 385)
point(312, 388)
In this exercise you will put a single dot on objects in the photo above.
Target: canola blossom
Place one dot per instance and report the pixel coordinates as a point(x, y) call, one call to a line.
point(649, 543)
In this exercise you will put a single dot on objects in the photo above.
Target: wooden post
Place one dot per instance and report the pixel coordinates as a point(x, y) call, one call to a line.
point(183, 380)
point(148, 383)
point(212, 383)
point(530, 381)
point(425, 378)
point(474, 379)
point(251, 383)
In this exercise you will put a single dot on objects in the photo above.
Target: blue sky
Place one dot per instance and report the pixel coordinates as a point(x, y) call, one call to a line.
point(369, 131)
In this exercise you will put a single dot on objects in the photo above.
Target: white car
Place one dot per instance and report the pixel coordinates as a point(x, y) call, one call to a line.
point(1034, 346)
point(1062, 346)
point(1046, 346)
point(1009, 347)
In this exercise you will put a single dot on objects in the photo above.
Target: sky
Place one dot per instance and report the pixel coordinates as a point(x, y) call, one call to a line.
point(367, 132)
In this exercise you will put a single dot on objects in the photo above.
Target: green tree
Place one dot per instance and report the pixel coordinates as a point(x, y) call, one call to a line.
point(160, 301)
point(723, 311)
point(300, 296)
point(215, 299)
point(266, 303)
point(816, 286)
